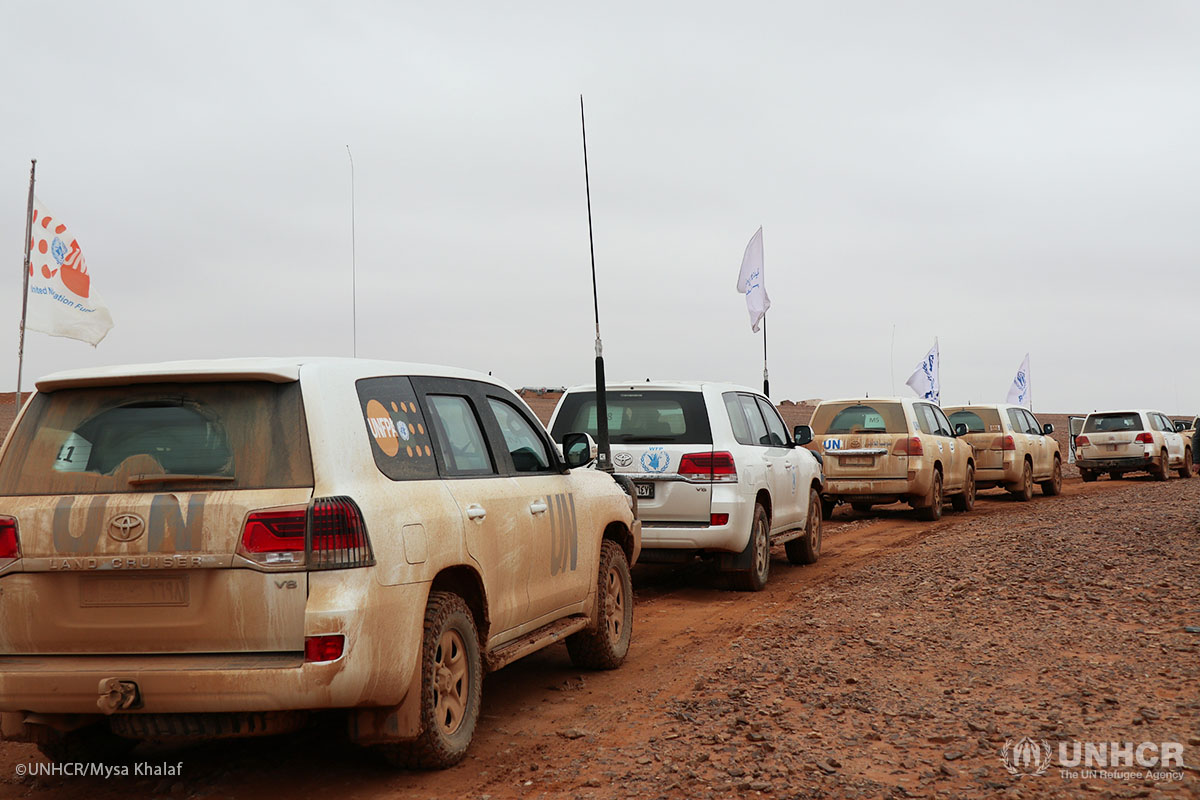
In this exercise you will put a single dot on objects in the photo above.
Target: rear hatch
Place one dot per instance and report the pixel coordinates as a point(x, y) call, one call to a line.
point(862, 439)
point(984, 433)
point(129, 504)
point(1113, 435)
point(660, 438)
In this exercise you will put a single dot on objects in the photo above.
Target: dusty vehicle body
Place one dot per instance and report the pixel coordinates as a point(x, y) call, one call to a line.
point(216, 548)
point(1117, 442)
point(1012, 449)
point(892, 450)
point(716, 472)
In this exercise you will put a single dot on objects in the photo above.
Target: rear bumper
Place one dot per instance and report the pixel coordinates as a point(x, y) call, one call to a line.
point(695, 535)
point(1123, 463)
point(878, 490)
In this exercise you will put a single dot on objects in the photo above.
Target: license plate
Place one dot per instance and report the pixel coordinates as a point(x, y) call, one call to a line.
point(645, 491)
point(1111, 447)
point(134, 590)
point(856, 461)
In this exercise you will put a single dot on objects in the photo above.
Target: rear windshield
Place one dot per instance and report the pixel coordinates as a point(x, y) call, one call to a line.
point(198, 436)
point(859, 418)
point(977, 420)
point(1101, 423)
point(638, 417)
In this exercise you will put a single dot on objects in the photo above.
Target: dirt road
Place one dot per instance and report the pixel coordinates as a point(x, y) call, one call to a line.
point(898, 666)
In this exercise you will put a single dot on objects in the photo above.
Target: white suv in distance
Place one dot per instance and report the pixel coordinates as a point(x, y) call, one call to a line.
point(715, 470)
point(1117, 442)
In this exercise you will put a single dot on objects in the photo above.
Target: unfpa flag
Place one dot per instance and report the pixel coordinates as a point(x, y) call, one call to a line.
point(62, 301)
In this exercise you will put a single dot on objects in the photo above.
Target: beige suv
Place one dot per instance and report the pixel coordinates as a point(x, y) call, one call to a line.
point(205, 549)
point(1012, 449)
point(1117, 442)
point(890, 450)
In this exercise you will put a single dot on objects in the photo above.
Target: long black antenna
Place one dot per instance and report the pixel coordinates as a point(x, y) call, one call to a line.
point(603, 459)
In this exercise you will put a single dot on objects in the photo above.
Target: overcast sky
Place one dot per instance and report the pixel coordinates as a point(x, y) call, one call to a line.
point(1007, 177)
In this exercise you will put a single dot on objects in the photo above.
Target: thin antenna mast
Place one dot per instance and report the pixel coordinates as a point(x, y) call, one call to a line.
point(603, 459)
point(25, 281)
point(353, 265)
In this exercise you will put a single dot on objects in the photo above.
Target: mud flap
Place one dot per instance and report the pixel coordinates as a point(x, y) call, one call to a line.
point(738, 562)
point(367, 726)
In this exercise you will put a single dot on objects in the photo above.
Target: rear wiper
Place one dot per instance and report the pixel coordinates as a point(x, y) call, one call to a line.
point(644, 439)
point(142, 480)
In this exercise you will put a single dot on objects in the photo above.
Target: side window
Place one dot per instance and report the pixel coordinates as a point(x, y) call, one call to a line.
point(925, 419)
point(526, 448)
point(460, 442)
point(737, 418)
point(1015, 419)
point(758, 428)
point(1032, 423)
point(400, 442)
point(943, 424)
point(775, 427)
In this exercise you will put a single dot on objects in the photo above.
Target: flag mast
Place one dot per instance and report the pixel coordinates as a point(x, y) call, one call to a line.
point(25, 281)
point(766, 380)
point(603, 460)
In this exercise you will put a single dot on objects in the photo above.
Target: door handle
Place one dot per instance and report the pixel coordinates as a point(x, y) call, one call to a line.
point(476, 512)
point(538, 507)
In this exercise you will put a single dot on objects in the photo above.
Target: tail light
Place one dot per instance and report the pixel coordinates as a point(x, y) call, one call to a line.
point(324, 648)
point(1008, 444)
point(910, 446)
point(716, 520)
point(1144, 438)
point(1081, 440)
point(328, 534)
point(10, 546)
point(716, 467)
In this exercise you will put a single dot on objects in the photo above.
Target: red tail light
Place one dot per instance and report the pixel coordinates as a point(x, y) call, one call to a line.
point(1144, 438)
point(1008, 444)
point(1081, 440)
point(324, 648)
point(718, 519)
point(275, 538)
point(338, 535)
point(717, 467)
point(909, 447)
point(10, 546)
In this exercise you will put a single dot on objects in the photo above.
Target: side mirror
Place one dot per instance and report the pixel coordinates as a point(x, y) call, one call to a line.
point(579, 449)
point(960, 429)
point(1047, 429)
point(802, 434)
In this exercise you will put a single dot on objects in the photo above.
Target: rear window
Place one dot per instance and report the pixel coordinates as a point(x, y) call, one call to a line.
point(1101, 423)
point(977, 420)
point(145, 438)
point(638, 417)
point(859, 418)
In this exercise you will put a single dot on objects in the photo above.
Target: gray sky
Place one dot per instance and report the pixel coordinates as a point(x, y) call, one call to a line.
point(1008, 177)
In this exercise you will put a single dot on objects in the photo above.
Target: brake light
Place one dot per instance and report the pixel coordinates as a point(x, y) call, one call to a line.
point(276, 537)
point(1008, 444)
point(1081, 440)
point(910, 446)
point(324, 648)
point(718, 519)
point(10, 546)
point(717, 467)
point(1144, 438)
point(338, 535)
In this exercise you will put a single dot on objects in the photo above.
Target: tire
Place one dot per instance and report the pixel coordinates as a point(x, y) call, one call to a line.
point(1114, 476)
point(932, 511)
point(95, 743)
point(1053, 487)
point(755, 578)
point(1087, 475)
point(606, 646)
point(451, 687)
point(1185, 469)
point(827, 507)
point(807, 548)
point(1160, 470)
point(966, 500)
point(861, 508)
point(1025, 492)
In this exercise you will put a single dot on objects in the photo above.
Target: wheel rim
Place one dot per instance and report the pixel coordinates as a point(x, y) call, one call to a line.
point(762, 555)
point(1057, 476)
point(814, 527)
point(970, 490)
point(1028, 487)
point(614, 605)
point(451, 681)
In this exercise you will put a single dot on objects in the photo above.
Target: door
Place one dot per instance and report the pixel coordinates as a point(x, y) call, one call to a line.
point(1074, 428)
point(1040, 449)
point(956, 471)
point(770, 450)
point(789, 502)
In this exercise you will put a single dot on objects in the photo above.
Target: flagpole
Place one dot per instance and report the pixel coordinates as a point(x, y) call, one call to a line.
point(353, 266)
point(766, 379)
point(603, 460)
point(25, 281)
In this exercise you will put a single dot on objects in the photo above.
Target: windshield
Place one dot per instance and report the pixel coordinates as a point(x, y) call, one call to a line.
point(1101, 423)
point(649, 417)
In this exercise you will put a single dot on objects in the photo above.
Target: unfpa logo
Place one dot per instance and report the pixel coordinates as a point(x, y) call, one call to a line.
point(1025, 756)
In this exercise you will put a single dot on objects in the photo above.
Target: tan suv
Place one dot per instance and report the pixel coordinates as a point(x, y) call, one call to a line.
point(206, 549)
point(1117, 442)
point(1012, 449)
point(892, 450)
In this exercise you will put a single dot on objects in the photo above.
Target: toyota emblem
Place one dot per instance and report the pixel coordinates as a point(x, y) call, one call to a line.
point(126, 527)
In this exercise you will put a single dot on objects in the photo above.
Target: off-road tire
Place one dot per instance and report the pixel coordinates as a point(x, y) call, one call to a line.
point(1086, 475)
point(755, 578)
point(807, 548)
point(93, 744)
point(1053, 486)
point(966, 500)
point(931, 510)
point(1114, 476)
point(1024, 492)
point(1185, 469)
point(450, 657)
point(827, 507)
point(862, 508)
point(606, 646)
point(1161, 471)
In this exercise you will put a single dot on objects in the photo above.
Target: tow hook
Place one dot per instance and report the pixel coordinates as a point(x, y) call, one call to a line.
point(118, 695)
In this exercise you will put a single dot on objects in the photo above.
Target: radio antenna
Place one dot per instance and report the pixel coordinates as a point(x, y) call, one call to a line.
point(603, 453)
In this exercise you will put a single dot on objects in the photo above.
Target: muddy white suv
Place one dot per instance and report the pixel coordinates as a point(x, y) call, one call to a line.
point(715, 471)
point(1012, 449)
point(1117, 442)
point(889, 450)
point(216, 548)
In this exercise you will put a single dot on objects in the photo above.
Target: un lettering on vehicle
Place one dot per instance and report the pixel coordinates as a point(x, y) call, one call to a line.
point(564, 533)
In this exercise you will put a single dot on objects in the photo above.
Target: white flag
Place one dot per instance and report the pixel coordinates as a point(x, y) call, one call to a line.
point(1019, 393)
point(62, 301)
point(926, 380)
point(751, 282)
